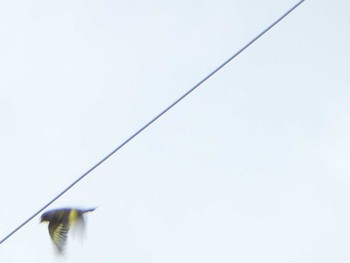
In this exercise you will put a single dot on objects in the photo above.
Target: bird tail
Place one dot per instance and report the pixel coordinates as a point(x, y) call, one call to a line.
point(88, 210)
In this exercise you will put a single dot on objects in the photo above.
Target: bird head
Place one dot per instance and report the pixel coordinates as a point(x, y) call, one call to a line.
point(46, 217)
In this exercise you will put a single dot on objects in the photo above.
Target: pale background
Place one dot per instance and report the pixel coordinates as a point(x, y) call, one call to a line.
point(252, 167)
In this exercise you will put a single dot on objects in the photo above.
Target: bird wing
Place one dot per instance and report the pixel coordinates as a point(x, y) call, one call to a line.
point(58, 233)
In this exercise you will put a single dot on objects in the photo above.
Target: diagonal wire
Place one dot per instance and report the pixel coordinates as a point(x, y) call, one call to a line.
point(153, 120)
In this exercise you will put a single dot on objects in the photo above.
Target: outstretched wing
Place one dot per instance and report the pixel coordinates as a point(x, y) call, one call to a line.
point(58, 233)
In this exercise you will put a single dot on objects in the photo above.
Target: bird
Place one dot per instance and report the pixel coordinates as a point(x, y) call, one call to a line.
point(60, 221)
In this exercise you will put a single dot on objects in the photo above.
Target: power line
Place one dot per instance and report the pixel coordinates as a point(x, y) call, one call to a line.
point(153, 120)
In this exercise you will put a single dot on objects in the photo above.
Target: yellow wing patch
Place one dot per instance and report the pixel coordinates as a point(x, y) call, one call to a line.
point(58, 233)
point(73, 216)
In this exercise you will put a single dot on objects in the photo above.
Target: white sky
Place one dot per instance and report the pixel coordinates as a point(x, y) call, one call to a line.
point(252, 167)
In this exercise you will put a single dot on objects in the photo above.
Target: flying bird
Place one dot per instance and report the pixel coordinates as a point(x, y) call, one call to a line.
point(60, 221)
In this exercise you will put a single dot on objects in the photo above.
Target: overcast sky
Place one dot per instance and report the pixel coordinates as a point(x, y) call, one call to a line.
point(252, 167)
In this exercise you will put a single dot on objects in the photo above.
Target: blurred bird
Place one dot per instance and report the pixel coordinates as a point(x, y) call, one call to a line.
point(60, 222)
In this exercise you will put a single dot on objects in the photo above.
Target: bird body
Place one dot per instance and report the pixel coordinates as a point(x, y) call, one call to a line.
point(60, 222)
